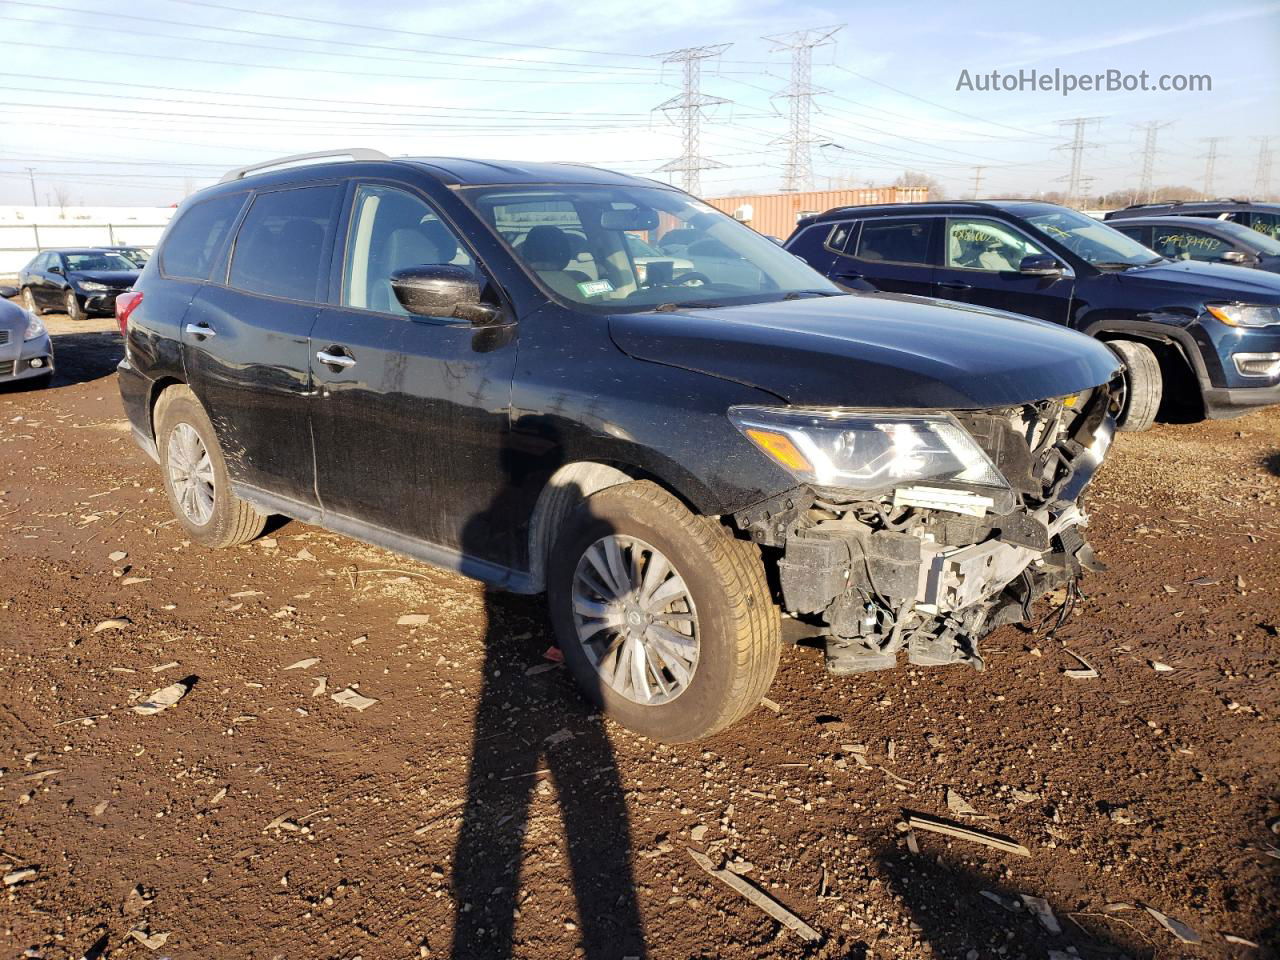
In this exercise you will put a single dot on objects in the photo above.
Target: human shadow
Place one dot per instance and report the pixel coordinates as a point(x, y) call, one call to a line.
point(537, 746)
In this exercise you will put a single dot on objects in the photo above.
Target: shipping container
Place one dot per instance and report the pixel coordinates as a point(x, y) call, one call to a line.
point(775, 214)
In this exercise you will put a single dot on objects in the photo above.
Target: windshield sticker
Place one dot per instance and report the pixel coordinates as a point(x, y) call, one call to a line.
point(594, 288)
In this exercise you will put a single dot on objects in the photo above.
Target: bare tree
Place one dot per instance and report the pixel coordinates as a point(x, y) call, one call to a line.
point(913, 178)
point(61, 197)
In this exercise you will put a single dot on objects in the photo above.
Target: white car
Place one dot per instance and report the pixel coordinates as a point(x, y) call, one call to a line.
point(26, 352)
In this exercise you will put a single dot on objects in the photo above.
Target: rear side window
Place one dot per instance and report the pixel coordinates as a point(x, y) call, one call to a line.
point(895, 241)
point(282, 249)
point(194, 241)
point(1268, 223)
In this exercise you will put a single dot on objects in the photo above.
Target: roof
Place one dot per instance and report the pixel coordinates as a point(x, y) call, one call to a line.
point(77, 250)
point(1177, 221)
point(462, 171)
point(1224, 203)
point(1020, 207)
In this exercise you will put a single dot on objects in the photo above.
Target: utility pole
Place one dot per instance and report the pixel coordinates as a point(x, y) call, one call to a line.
point(31, 172)
point(977, 181)
point(1262, 176)
point(687, 107)
point(1147, 179)
point(1210, 161)
point(798, 169)
point(1076, 180)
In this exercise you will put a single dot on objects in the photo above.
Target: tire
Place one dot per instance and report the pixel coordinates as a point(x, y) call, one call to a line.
point(1143, 385)
point(72, 307)
point(29, 302)
point(217, 518)
point(737, 628)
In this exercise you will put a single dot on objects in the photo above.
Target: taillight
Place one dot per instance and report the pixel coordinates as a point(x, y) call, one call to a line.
point(126, 303)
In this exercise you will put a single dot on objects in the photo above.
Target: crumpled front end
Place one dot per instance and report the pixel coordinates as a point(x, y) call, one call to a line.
point(931, 568)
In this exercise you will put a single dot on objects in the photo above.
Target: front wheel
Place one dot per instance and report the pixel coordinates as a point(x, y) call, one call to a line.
point(71, 304)
point(195, 474)
point(1143, 385)
point(664, 618)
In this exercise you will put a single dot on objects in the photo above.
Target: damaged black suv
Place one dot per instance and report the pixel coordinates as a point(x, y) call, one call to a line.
point(466, 362)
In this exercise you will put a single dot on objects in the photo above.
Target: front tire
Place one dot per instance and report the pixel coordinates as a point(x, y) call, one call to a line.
point(195, 474)
point(665, 619)
point(71, 304)
point(1143, 385)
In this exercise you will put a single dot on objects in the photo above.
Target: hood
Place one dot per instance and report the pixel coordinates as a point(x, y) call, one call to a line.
point(12, 317)
point(874, 350)
point(112, 278)
point(1212, 281)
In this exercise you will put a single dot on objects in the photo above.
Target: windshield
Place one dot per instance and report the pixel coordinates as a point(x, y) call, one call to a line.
point(135, 255)
point(583, 242)
point(98, 261)
point(1092, 240)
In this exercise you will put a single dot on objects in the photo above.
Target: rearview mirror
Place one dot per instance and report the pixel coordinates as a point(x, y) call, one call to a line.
point(1040, 265)
point(442, 290)
point(1234, 256)
point(633, 218)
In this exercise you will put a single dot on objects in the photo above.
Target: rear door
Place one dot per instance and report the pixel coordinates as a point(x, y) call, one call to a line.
point(893, 254)
point(1178, 242)
point(980, 265)
point(412, 413)
point(246, 338)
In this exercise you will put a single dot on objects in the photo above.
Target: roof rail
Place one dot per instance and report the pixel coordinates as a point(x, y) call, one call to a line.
point(354, 153)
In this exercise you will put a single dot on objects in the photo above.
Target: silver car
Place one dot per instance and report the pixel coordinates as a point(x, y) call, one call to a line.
point(26, 353)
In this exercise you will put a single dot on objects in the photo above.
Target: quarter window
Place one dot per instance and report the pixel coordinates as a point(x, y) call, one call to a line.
point(196, 238)
point(896, 241)
point(986, 245)
point(283, 245)
point(392, 230)
point(1268, 223)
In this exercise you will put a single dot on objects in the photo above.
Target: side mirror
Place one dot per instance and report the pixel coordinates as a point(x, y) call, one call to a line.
point(1040, 265)
point(7, 291)
point(442, 290)
point(1234, 256)
point(56, 269)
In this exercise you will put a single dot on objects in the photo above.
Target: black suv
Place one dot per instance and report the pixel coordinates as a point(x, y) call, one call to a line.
point(1204, 239)
point(1205, 337)
point(1262, 217)
point(77, 282)
point(462, 361)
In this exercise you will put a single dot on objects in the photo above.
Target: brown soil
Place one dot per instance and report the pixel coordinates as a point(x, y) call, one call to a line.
point(262, 820)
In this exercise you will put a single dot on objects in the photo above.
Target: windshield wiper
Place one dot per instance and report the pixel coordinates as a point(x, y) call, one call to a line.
point(1116, 265)
point(691, 305)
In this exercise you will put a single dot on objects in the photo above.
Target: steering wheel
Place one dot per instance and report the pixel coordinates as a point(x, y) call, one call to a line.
point(688, 279)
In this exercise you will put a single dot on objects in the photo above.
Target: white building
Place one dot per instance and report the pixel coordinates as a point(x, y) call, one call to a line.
point(25, 231)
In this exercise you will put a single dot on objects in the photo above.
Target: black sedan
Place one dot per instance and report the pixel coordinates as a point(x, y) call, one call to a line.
point(1203, 239)
point(76, 282)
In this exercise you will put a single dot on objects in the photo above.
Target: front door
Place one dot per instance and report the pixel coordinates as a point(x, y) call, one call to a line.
point(246, 343)
point(980, 265)
point(893, 254)
point(412, 414)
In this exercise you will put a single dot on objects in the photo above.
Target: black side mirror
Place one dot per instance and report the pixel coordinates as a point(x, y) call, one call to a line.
point(56, 269)
point(442, 290)
point(1040, 265)
point(1234, 256)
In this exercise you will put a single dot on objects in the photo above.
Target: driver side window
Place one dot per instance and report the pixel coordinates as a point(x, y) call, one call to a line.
point(392, 230)
point(986, 245)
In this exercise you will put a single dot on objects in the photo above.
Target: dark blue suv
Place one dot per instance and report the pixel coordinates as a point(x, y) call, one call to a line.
point(1187, 331)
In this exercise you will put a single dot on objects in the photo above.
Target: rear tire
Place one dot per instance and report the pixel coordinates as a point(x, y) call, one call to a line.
point(195, 474)
point(735, 629)
point(72, 307)
point(1143, 385)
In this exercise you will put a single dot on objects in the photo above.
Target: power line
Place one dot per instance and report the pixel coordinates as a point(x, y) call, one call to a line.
point(977, 181)
point(688, 107)
point(798, 168)
point(1076, 180)
point(1262, 172)
point(1210, 162)
point(1145, 182)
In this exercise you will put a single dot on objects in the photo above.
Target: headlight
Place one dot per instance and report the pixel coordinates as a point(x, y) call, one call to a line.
point(92, 286)
point(1245, 314)
point(35, 327)
point(867, 452)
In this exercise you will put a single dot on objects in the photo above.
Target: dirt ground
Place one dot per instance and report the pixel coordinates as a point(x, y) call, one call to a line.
point(478, 809)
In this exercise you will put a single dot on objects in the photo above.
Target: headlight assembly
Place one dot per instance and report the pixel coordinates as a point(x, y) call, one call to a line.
point(1245, 314)
point(93, 286)
point(865, 452)
point(35, 327)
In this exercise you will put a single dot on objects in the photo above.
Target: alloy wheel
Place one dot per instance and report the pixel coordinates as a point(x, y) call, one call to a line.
point(636, 620)
point(191, 473)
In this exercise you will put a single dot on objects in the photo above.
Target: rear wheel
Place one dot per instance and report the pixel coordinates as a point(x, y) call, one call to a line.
point(71, 304)
point(1143, 385)
point(664, 618)
point(195, 474)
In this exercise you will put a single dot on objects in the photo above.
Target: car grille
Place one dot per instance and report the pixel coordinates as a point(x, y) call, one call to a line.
point(6, 368)
point(4, 337)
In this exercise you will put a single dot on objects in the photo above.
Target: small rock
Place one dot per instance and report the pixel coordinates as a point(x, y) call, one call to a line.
point(413, 620)
point(116, 556)
point(1159, 667)
point(15, 877)
point(698, 833)
point(303, 664)
point(164, 698)
point(115, 623)
point(349, 698)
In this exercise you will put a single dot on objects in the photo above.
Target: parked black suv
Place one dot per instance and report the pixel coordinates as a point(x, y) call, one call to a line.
point(1262, 217)
point(1204, 336)
point(460, 360)
point(77, 282)
point(1204, 239)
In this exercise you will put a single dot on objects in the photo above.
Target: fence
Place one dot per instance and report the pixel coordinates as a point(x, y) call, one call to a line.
point(26, 231)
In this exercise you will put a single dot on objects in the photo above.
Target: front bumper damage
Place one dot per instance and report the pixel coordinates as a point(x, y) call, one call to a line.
point(933, 570)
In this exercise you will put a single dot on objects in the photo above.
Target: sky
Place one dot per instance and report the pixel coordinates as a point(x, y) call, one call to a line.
point(145, 102)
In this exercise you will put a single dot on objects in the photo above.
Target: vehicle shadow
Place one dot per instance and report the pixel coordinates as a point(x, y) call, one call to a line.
point(1271, 463)
point(540, 754)
point(77, 358)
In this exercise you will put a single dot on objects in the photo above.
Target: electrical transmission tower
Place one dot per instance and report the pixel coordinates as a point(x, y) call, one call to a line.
point(1262, 175)
point(977, 181)
point(1077, 182)
point(1152, 129)
point(687, 110)
point(798, 168)
point(1210, 161)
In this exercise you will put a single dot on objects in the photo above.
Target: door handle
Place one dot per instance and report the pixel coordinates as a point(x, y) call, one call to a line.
point(954, 285)
point(201, 330)
point(339, 360)
point(848, 275)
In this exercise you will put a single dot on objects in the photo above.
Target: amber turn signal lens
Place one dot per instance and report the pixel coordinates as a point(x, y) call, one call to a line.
point(780, 447)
